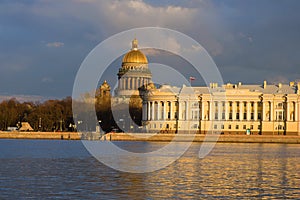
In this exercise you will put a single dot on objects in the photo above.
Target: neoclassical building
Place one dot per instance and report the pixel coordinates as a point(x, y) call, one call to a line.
point(227, 109)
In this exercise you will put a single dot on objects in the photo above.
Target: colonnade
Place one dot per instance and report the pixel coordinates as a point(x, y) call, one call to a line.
point(132, 83)
point(217, 110)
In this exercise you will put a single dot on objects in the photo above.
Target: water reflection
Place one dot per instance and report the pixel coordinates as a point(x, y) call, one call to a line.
point(264, 171)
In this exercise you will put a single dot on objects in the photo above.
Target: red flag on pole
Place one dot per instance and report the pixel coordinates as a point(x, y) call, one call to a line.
point(192, 79)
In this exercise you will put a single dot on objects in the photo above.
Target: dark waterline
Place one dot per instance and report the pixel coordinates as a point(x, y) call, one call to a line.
point(43, 169)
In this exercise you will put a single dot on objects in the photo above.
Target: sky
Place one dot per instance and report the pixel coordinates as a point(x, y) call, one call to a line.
point(44, 42)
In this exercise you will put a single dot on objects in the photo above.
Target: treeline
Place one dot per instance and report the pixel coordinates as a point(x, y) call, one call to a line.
point(51, 115)
point(56, 115)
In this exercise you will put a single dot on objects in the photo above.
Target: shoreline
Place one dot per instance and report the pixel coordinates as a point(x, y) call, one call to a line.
point(146, 137)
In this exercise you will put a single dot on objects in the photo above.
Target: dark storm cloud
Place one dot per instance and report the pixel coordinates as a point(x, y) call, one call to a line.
point(44, 42)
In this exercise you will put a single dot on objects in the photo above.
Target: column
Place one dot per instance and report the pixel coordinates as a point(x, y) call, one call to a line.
point(179, 110)
point(249, 110)
point(263, 111)
point(272, 111)
point(165, 110)
point(203, 110)
point(137, 83)
point(187, 110)
point(128, 83)
point(158, 110)
point(255, 111)
point(171, 110)
point(296, 113)
point(124, 83)
point(219, 110)
point(153, 105)
point(234, 108)
point(241, 110)
point(226, 110)
point(148, 111)
point(287, 111)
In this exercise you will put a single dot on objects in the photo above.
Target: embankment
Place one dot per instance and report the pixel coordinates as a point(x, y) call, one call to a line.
point(284, 139)
point(40, 135)
point(201, 138)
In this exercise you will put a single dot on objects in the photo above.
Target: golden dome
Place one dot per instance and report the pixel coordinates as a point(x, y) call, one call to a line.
point(135, 55)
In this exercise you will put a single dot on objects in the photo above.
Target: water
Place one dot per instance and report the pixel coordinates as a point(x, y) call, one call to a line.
point(41, 169)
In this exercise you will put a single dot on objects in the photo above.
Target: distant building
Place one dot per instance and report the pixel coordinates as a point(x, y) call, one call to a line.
point(227, 109)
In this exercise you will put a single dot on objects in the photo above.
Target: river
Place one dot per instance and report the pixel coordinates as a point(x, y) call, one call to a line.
point(47, 169)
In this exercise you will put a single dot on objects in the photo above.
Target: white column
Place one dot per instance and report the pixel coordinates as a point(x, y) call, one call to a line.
point(165, 110)
point(272, 111)
point(234, 108)
point(297, 111)
point(153, 105)
point(187, 110)
point(241, 110)
point(263, 111)
point(179, 110)
point(255, 111)
point(171, 110)
point(226, 110)
point(203, 110)
point(158, 110)
point(219, 110)
point(148, 111)
point(248, 110)
point(287, 111)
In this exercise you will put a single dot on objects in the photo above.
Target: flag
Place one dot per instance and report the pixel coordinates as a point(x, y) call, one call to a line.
point(192, 78)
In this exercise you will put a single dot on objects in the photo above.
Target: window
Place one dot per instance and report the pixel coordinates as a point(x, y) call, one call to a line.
point(244, 126)
point(251, 126)
point(236, 126)
point(160, 126)
point(245, 116)
point(258, 127)
point(223, 115)
point(252, 116)
point(229, 126)
point(230, 116)
point(222, 126)
point(216, 115)
point(237, 116)
point(215, 126)
point(259, 116)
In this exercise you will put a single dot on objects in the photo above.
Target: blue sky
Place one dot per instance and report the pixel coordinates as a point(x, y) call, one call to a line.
point(43, 42)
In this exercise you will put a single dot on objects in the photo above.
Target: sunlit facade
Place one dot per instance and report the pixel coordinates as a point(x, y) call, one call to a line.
point(226, 109)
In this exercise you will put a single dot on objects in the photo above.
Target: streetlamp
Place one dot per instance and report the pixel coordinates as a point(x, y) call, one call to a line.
point(177, 113)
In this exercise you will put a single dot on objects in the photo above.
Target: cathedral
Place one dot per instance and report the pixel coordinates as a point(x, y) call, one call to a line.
point(272, 109)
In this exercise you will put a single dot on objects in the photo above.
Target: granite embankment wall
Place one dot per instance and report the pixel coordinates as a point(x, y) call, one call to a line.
point(154, 138)
point(40, 135)
point(201, 138)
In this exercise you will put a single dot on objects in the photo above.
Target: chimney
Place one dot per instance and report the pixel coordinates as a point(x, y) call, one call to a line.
point(265, 84)
point(292, 84)
point(240, 83)
point(279, 85)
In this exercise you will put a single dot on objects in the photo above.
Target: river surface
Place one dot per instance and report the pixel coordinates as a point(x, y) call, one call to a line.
point(44, 169)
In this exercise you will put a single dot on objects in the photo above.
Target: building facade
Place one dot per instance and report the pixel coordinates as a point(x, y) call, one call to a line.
point(225, 109)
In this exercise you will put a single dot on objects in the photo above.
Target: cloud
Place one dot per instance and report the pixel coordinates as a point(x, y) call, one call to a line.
point(55, 44)
point(47, 80)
